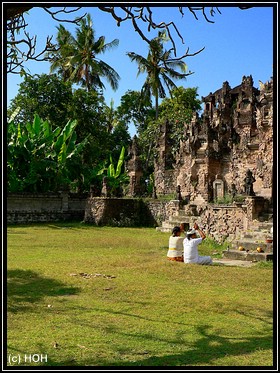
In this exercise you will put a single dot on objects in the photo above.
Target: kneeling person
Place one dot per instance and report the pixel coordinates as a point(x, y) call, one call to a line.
point(175, 251)
point(191, 243)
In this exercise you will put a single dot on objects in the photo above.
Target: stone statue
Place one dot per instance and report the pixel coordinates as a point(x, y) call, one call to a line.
point(248, 183)
point(233, 190)
point(105, 188)
point(178, 193)
point(154, 192)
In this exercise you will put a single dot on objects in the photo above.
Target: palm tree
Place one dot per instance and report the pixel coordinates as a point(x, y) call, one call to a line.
point(60, 58)
point(76, 57)
point(160, 69)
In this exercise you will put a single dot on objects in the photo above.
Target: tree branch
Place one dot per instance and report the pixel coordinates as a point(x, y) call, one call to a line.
point(16, 22)
point(145, 14)
point(64, 11)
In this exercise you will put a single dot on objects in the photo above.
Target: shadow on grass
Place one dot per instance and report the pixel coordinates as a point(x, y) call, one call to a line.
point(26, 287)
point(203, 353)
point(208, 348)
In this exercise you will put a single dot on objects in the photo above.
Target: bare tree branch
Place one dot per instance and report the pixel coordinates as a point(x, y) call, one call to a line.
point(64, 11)
point(145, 14)
point(138, 16)
point(17, 55)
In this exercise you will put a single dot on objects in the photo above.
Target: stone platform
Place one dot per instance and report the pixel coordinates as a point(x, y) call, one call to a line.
point(233, 262)
point(247, 255)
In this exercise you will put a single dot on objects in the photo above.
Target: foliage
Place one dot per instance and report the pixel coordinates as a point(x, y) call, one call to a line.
point(178, 110)
point(133, 108)
point(150, 184)
point(47, 95)
point(147, 143)
point(50, 97)
point(76, 57)
point(109, 297)
point(225, 200)
point(38, 156)
point(229, 199)
point(160, 68)
point(114, 175)
point(239, 198)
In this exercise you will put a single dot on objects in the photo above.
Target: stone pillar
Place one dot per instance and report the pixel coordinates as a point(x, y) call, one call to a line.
point(64, 201)
point(135, 170)
point(254, 206)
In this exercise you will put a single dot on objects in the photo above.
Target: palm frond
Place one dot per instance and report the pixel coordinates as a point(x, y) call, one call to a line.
point(110, 74)
point(114, 43)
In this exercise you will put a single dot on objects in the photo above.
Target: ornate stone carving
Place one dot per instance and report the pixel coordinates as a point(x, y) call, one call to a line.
point(236, 128)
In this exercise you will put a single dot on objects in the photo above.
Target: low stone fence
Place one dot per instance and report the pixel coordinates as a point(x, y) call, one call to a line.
point(47, 207)
point(223, 222)
point(219, 221)
point(125, 212)
point(31, 208)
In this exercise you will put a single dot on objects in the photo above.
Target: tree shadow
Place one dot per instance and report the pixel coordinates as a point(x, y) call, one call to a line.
point(202, 353)
point(205, 350)
point(26, 287)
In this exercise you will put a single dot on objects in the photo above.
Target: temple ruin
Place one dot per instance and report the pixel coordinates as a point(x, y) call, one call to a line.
point(233, 135)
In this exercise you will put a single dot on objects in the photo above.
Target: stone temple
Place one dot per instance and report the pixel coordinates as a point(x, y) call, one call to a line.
point(222, 174)
point(233, 136)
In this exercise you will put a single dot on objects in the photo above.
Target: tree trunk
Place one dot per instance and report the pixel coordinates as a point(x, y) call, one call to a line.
point(156, 106)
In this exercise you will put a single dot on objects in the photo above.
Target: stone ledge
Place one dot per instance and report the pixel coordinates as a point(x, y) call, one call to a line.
point(233, 262)
point(250, 256)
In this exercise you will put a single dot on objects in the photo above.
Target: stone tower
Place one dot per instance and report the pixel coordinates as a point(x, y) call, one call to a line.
point(134, 169)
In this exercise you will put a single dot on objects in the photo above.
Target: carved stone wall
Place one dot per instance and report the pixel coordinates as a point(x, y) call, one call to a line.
point(234, 134)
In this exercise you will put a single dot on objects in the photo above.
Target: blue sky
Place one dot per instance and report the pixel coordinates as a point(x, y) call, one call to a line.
point(239, 43)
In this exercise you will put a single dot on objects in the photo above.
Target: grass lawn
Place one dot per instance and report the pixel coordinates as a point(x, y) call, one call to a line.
point(100, 296)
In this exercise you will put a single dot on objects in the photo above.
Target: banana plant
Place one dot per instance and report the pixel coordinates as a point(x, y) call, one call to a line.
point(38, 156)
point(116, 178)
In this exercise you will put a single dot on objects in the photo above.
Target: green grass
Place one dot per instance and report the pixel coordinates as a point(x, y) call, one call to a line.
point(141, 310)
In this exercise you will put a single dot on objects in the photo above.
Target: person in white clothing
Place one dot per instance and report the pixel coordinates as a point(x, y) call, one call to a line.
point(191, 243)
point(175, 250)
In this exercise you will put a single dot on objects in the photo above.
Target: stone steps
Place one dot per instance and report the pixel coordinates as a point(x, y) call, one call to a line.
point(250, 256)
point(167, 226)
point(174, 220)
point(250, 239)
point(258, 236)
point(262, 225)
point(251, 244)
point(253, 238)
